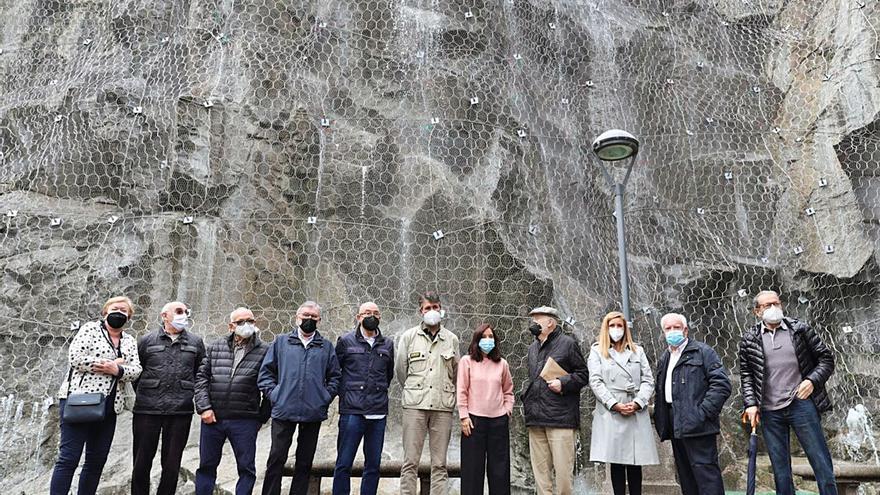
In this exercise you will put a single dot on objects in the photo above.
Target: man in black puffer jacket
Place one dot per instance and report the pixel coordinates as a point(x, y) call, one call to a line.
point(783, 369)
point(230, 403)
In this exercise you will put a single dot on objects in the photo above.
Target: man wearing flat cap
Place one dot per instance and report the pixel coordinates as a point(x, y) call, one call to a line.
point(551, 400)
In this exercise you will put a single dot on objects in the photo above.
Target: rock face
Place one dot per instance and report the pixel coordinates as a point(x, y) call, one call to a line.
point(261, 153)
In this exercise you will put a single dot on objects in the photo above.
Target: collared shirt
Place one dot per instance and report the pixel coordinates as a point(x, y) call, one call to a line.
point(674, 356)
point(782, 374)
point(432, 336)
point(240, 348)
point(303, 338)
point(172, 336)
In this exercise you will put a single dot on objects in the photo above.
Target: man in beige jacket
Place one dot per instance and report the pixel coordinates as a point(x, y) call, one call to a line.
point(426, 364)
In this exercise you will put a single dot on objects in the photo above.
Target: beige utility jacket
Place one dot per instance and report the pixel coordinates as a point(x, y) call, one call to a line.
point(427, 368)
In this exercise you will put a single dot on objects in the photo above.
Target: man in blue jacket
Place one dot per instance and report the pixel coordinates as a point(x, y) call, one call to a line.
point(692, 387)
point(367, 361)
point(300, 375)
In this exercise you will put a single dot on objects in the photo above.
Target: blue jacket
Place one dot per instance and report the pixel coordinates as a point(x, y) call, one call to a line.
point(700, 388)
point(300, 382)
point(366, 373)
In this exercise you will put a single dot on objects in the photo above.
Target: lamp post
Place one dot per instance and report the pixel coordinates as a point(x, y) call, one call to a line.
point(612, 146)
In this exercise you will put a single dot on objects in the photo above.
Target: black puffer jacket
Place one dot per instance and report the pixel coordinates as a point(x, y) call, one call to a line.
point(167, 382)
point(232, 394)
point(700, 387)
point(815, 360)
point(542, 406)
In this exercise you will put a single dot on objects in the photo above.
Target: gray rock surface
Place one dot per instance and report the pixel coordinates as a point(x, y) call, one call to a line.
point(260, 153)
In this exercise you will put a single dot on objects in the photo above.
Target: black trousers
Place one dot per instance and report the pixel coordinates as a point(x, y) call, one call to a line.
point(696, 461)
point(306, 443)
point(147, 428)
point(486, 453)
point(623, 474)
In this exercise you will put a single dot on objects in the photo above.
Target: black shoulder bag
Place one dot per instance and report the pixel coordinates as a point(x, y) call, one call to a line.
point(89, 408)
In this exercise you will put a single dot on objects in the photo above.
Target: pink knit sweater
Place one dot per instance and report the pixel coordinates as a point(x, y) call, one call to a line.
point(485, 388)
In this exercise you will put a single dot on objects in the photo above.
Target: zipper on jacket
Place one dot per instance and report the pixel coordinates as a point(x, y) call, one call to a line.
point(369, 367)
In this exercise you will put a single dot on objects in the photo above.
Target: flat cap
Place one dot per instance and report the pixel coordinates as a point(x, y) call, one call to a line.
point(544, 310)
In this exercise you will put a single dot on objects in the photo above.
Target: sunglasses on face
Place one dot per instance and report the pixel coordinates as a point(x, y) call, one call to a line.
point(242, 322)
point(182, 311)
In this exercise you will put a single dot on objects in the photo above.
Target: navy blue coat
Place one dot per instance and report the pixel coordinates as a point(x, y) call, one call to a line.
point(366, 373)
point(300, 382)
point(700, 388)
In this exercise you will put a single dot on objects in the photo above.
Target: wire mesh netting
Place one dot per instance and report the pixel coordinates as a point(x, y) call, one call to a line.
point(261, 153)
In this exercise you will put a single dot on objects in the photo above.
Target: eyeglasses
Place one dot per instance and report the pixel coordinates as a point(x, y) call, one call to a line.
point(182, 311)
point(242, 322)
point(370, 312)
point(769, 304)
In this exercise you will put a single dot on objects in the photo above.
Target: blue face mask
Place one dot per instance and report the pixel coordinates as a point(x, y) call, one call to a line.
point(486, 345)
point(675, 337)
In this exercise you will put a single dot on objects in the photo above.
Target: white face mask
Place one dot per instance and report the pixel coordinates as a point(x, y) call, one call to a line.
point(616, 333)
point(245, 331)
point(432, 318)
point(181, 322)
point(772, 315)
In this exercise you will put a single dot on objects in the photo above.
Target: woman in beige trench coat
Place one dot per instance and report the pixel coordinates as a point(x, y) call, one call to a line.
point(621, 379)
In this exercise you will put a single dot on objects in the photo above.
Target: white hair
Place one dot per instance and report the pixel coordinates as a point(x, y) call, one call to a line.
point(763, 293)
point(309, 304)
point(168, 305)
point(236, 310)
point(673, 316)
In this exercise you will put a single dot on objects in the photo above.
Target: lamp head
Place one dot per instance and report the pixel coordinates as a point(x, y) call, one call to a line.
point(615, 145)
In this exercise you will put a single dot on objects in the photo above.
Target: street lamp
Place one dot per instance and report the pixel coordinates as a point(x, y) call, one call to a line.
point(613, 146)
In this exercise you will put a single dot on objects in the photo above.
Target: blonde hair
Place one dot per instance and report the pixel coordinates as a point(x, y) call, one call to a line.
point(118, 299)
point(604, 339)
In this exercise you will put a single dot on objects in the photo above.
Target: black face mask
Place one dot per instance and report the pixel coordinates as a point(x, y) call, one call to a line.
point(370, 323)
point(308, 325)
point(535, 329)
point(116, 319)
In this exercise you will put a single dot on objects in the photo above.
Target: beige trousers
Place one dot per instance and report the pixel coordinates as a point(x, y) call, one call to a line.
point(417, 424)
point(552, 450)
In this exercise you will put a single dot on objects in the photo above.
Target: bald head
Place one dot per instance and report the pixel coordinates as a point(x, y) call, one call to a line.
point(365, 312)
point(239, 317)
point(174, 309)
point(368, 306)
point(172, 306)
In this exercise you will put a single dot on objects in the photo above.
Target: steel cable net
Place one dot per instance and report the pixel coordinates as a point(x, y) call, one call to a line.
point(263, 153)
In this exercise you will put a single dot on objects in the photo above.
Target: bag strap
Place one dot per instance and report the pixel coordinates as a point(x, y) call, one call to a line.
point(70, 377)
point(118, 350)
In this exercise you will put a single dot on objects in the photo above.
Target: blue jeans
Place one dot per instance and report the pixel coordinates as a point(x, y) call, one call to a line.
point(242, 435)
point(96, 438)
point(804, 418)
point(353, 428)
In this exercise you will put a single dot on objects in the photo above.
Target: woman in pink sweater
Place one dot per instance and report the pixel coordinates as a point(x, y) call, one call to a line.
point(485, 402)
